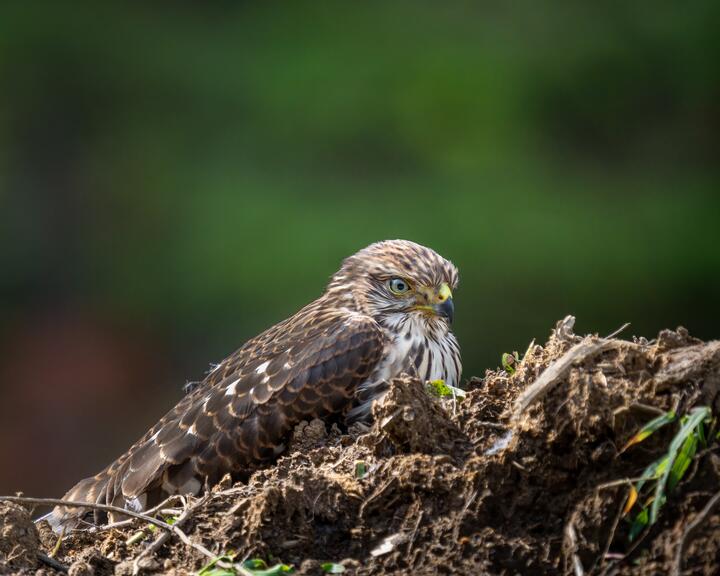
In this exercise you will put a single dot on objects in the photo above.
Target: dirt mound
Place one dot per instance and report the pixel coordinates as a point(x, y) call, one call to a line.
point(19, 540)
point(525, 475)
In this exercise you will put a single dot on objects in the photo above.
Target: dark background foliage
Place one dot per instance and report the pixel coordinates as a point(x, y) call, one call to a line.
point(175, 177)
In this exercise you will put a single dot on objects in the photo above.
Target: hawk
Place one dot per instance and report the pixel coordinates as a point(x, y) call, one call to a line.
point(387, 311)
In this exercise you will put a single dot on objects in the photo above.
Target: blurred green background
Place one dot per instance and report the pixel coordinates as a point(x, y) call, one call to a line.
point(176, 177)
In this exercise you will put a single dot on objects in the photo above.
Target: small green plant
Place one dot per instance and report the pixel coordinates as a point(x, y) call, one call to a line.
point(140, 535)
point(441, 390)
point(360, 469)
point(654, 425)
point(332, 568)
point(258, 567)
point(662, 476)
point(216, 567)
point(225, 565)
point(510, 362)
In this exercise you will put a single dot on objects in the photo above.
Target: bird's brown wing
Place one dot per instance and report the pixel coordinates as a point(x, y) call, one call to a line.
point(241, 415)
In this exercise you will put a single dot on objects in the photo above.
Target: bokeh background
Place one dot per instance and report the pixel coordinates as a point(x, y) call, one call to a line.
point(176, 177)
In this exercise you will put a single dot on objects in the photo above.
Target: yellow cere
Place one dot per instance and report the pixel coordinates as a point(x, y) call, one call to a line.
point(444, 293)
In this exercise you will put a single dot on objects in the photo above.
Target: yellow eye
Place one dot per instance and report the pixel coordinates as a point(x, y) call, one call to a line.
point(398, 286)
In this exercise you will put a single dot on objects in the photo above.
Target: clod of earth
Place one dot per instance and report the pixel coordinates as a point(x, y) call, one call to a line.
point(19, 540)
point(526, 475)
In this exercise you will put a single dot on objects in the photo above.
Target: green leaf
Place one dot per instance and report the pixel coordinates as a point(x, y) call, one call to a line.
point(652, 426)
point(639, 524)
point(255, 564)
point(701, 435)
point(683, 460)
point(139, 536)
point(360, 469)
point(210, 570)
point(697, 416)
point(510, 361)
point(440, 389)
point(258, 567)
point(332, 568)
point(652, 472)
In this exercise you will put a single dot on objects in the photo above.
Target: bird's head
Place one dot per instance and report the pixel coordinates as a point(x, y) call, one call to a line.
point(396, 280)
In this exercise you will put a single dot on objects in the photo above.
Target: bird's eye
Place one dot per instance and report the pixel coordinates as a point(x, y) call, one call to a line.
point(398, 286)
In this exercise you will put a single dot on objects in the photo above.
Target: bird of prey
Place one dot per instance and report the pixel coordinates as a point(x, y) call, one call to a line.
point(387, 311)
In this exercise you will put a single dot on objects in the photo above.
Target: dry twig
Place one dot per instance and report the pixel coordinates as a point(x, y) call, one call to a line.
point(122, 523)
point(75, 504)
point(169, 528)
point(611, 536)
point(175, 529)
point(618, 331)
point(48, 561)
point(571, 536)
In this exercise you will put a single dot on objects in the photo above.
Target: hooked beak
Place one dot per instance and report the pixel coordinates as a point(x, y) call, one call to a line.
point(446, 309)
point(439, 303)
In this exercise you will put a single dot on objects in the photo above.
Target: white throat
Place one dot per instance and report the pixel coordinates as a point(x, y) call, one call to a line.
point(416, 346)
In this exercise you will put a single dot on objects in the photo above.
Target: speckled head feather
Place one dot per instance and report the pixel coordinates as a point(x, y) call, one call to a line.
point(385, 312)
point(390, 258)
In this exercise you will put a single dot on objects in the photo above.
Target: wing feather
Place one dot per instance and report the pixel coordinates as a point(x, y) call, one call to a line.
point(241, 415)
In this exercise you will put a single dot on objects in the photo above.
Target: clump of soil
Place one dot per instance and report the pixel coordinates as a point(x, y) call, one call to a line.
point(516, 478)
point(19, 540)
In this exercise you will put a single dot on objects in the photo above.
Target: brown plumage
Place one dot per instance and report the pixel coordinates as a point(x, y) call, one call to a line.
point(385, 312)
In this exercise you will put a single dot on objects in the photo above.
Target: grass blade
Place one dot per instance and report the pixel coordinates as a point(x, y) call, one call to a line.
point(683, 460)
point(652, 426)
point(210, 570)
point(639, 524)
point(652, 472)
point(696, 417)
point(259, 568)
point(332, 568)
point(631, 499)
